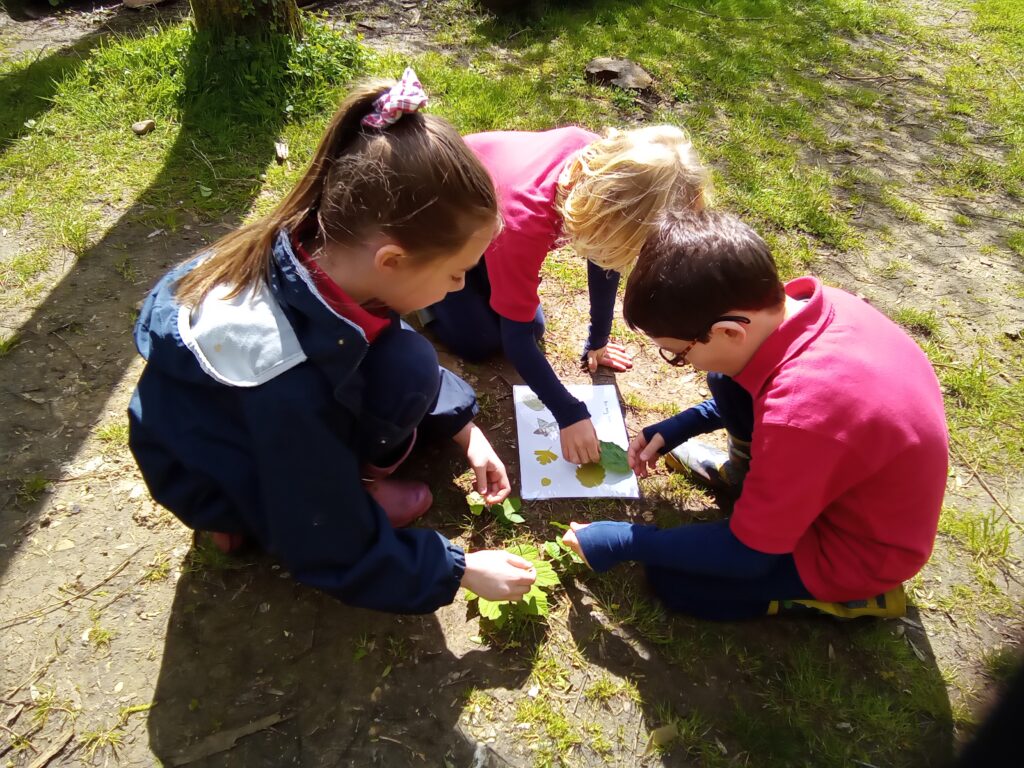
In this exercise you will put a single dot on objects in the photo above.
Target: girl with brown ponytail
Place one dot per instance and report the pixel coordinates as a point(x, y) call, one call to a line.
point(281, 389)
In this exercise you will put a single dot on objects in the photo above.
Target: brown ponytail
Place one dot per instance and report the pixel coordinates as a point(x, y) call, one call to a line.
point(415, 182)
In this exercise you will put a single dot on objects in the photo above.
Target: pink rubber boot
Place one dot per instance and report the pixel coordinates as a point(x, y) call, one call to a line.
point(403, 501)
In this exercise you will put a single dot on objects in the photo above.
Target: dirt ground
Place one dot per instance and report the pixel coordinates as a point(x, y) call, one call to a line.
point(169, 656)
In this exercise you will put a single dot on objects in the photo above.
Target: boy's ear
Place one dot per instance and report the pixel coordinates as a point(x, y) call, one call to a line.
point(735, 331)
point(389, 257)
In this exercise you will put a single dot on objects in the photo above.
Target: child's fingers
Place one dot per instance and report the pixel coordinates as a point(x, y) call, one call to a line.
point(517, 561)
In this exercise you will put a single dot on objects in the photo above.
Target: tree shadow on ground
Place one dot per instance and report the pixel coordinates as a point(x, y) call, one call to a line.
point(27, 93)
point(77, 344)
point(258, 670)
point(778, 689)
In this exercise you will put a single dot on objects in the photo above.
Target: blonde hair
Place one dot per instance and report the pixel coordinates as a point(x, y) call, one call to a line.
point(415, 182)
point(611, 195)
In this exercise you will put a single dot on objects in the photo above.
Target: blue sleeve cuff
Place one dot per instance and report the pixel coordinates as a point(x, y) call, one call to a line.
point(677, 429)
point(606, 543)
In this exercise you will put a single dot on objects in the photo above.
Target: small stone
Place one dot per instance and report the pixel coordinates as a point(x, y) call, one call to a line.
point(143, 127)
point(1013, 334)
point(621, 72)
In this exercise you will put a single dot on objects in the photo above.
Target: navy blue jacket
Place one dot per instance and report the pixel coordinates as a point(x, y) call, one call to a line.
point(255, 434)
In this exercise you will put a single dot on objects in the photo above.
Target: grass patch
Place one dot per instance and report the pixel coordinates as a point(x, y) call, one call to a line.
point(557, 734)
point(985, 404)
point(114, 434)
point(217, 109)
point(986, 537)
point(922, 322)
point(32, 489)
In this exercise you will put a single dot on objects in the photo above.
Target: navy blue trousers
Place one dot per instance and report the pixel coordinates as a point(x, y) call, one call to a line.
point(720, 598)
point(465, 323)
point(402, 385)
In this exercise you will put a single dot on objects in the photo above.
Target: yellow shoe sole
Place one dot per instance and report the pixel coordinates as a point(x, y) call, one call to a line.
point(891, 605)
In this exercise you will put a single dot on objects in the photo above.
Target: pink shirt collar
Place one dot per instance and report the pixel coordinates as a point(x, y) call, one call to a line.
point(789, 338)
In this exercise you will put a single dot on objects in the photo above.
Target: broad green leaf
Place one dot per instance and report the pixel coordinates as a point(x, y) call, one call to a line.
point(534, 403)
point(614, 458)
point(490, 609)
point(476, 502)
point(546, 576)
point(552, 549)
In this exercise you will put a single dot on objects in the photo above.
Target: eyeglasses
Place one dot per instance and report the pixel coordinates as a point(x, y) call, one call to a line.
point(678, 359)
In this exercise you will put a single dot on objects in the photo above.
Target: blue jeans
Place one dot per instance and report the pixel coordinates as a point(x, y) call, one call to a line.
point(465, 323)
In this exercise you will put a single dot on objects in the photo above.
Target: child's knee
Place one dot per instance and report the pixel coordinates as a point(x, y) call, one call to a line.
point(405, 355)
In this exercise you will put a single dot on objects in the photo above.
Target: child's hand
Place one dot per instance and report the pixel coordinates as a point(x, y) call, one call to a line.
point(570, 540)
point(613, 355)
point(491, 478)
point(580, 444)
point(643, 455)
point(498, 575)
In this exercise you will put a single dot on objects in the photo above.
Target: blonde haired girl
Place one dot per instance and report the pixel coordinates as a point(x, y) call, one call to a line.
point(602, 195)
point(281, 390)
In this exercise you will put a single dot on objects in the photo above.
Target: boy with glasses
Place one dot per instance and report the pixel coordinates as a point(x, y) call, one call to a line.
point(836, 410)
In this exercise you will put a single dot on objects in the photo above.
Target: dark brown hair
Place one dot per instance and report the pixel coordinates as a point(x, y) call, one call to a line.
point(416, 182)
point(695, 268)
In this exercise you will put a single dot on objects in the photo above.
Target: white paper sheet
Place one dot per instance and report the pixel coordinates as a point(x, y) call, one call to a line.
point(543, 471)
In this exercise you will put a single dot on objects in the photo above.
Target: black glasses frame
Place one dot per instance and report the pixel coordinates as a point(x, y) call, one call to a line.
point(678, 359)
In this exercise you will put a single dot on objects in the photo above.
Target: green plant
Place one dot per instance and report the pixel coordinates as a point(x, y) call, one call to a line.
point(534, 604)
point(32, 488)
point(507, 512)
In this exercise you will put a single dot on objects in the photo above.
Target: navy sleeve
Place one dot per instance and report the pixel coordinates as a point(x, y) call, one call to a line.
point(318, 518)
point(698, 420)
point(602, 285)
point(705, 549)
point(521, 348)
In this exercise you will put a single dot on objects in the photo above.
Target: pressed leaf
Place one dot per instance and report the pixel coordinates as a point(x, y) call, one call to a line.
point(590, 475)
point(545, 456)
point(534, 403)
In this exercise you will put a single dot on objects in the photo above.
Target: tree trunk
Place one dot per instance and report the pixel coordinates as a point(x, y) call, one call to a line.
point(249, 18)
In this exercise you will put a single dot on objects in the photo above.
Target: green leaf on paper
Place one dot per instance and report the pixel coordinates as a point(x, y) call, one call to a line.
point(614, 458)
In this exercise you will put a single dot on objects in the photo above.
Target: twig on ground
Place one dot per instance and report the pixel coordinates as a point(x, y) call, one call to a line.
point(981, 481)
point(1012, 77)
point(880, 78)
point(55, 749)
point(70, 348)
point(33, 677)
point(54, 606)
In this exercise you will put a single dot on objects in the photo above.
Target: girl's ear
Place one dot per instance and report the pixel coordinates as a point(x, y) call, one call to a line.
point(390, 257)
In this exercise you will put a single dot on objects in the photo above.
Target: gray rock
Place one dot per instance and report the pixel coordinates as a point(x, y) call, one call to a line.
point(280, 152)
point(621, 72)
point(143, 127)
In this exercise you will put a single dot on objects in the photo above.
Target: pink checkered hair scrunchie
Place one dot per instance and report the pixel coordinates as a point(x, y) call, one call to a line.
point(406, 97)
